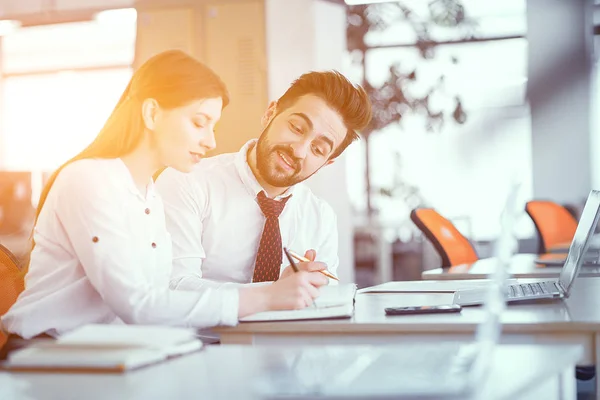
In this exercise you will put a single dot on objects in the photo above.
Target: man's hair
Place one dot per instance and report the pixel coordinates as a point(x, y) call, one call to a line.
point(350, 101)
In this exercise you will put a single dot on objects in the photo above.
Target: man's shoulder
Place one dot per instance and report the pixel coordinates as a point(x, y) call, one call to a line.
point(311, 203)
point(207, 170)
point(221, 160)
point(219, 164)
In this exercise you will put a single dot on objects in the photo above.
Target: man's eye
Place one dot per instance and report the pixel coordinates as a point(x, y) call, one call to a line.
point(296, 128)
point(317, 150)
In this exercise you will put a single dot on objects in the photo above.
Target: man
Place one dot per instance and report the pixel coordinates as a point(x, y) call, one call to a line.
point(231, 216)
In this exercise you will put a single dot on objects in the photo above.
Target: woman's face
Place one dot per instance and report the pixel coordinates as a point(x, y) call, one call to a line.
point(183, 135)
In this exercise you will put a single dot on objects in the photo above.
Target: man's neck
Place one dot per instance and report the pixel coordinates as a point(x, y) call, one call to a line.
point(271, 191)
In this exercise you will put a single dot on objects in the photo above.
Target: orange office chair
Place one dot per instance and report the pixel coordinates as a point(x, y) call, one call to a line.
point(12, 283)
point(554, 224)
point(451, 245)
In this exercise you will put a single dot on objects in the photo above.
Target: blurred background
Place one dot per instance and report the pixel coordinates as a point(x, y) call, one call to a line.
point(470, 97)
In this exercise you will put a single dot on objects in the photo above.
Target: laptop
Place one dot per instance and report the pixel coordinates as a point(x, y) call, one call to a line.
point(551, 289)
point(438, 370)
point(591, 259)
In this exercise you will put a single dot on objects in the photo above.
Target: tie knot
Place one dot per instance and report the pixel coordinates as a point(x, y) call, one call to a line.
point(271, 207)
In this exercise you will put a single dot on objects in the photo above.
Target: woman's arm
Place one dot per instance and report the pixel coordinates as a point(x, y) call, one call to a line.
point(90, 206)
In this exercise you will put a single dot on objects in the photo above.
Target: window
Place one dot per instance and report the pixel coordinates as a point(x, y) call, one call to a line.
point(462, 170)
point(60, 83)
point(48, 118)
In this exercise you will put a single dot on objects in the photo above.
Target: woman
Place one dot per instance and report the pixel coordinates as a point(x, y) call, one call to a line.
point(102, 253)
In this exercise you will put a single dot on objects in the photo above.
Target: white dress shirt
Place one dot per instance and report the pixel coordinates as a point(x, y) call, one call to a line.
point(103, 255)
point(216, 223)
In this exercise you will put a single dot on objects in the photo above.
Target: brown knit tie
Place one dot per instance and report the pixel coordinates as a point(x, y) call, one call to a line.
point(268, 258)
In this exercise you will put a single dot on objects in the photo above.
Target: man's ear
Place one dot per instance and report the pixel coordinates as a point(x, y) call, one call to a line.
point(269, 114)
point(149, 110)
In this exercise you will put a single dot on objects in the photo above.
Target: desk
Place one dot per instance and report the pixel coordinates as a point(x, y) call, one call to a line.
point(522, 266)
point(235, 372)
point(574, 320)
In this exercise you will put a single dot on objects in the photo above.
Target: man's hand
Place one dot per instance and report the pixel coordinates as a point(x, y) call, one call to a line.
point(311, 266)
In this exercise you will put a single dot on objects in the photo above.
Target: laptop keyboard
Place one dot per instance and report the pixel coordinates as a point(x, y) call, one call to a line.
point(532, 289)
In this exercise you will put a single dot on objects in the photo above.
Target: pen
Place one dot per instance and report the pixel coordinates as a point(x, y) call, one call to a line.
point(304, 259)
point(290, 259)
point(294, 267)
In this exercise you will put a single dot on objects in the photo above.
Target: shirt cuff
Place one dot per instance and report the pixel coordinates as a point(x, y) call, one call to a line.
point(230, 306)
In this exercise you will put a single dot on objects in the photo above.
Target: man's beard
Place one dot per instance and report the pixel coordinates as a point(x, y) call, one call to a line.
point(265, 156)
point(272, 173)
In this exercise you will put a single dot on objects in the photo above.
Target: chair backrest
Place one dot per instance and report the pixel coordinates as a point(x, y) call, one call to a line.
point(553, 223)
point(12, 283)
point(452, 246)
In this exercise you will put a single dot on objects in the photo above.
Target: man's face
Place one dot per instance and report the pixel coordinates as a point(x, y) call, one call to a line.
point(298, 141)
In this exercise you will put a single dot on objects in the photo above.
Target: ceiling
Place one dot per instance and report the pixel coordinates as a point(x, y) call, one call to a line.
point(59, 10)
point(18, 8)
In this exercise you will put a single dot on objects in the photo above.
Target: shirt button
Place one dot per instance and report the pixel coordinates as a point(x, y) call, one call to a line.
point(153, 245)
point(95, 239)
point(147, 211)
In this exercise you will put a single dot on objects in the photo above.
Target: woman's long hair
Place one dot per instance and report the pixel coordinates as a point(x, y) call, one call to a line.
point(173, 79)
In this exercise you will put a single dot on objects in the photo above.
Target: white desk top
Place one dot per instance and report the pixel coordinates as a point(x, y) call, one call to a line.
point(579, 313)
point(235, 372)
point(522, 266)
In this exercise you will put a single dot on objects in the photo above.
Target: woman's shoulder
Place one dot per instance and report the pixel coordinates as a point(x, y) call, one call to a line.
point(92, 172)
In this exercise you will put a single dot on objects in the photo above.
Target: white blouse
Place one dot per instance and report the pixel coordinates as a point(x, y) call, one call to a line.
point(103, 255)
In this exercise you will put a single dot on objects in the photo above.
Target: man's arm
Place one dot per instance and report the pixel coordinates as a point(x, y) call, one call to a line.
point(327, 250)
point(185, 205)
point(324, 254)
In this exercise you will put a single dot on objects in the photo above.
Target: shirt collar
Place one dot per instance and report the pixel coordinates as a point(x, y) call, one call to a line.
point(150, 189)
point(247, 176)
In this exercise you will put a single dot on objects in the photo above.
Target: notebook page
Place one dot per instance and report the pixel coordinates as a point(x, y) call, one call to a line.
point(343, 311)
point(335, 295)
point(336, 301)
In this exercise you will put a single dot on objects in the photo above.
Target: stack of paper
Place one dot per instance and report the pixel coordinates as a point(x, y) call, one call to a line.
point(105, 348)
point(335, 301)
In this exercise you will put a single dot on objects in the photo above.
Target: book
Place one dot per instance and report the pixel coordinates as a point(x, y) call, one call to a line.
point(104, 348)
point(334, 301)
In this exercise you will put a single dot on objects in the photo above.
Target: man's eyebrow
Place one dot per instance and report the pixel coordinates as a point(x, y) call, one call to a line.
point(305, 118)
point(327, 140)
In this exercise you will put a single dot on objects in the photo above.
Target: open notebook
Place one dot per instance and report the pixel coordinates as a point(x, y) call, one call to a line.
point(335, 301)
point(104, 348)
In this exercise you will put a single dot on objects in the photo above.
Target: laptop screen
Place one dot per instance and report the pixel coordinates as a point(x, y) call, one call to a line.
point(581, 240)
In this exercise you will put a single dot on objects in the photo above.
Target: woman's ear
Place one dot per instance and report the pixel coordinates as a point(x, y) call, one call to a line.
point(269, 114)
point(150, 109)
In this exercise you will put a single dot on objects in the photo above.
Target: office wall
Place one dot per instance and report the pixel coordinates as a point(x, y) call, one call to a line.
point(163, 29)
point(229, 36)
point(314, 39)
point(234, 45)
point(560, 82)
point(595, 104)
point(332, 182)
